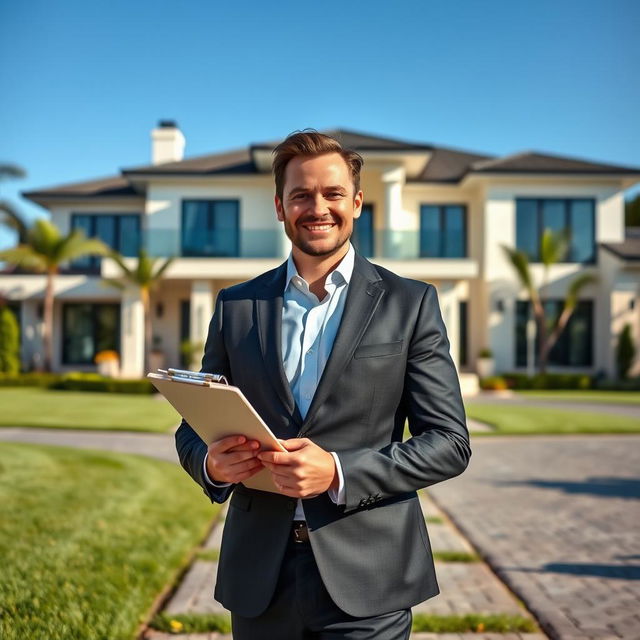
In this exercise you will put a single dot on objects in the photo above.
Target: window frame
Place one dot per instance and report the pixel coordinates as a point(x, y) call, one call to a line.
point(539, 226)
point(94, 306)
point(441, 206)
point(588, 303)
point(209, 202)
point(94, 262)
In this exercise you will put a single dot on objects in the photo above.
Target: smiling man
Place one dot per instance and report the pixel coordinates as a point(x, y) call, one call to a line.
point(336, 354)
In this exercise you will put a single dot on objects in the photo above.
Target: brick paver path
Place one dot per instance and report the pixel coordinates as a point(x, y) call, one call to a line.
point(558, 519)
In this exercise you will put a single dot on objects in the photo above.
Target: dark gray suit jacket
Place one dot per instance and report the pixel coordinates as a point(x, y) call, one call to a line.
point(390, 363)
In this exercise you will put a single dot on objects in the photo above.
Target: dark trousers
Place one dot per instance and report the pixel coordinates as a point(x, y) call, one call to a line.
point(301, 609)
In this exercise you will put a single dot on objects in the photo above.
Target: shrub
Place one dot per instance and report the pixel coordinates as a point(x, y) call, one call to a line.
point(9, 342)
point(625, 351)
point(548, 381)
point(96, 382)
point(493, 383)
point(34, 379)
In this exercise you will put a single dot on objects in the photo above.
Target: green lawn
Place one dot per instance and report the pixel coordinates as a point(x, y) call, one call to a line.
point(514, 419)
point(89, 539)
point(606, 397)
point(33, 407)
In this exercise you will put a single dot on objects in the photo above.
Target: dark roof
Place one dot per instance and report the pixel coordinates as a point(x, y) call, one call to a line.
point(629, 249)
point(361, 142)
point(448, 165)
point(235, 161)
point(445, 165)
point(534, 162)
point(112, 186)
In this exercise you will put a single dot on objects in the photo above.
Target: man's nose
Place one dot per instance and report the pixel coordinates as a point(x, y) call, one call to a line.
point(319, 204)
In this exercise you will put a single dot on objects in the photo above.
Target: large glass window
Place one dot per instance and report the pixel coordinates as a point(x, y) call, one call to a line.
point(574, 347)
point(88, 329)
point(443, 231)
point(362, 238)
point(573, 216)
point(210, 228)
point(120, 232)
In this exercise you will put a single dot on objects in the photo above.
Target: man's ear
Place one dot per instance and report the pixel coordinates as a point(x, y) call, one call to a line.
point(357, 204)
point(279, 208)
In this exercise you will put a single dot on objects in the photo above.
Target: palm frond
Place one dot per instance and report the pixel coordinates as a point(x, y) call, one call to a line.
point(577, 284)
point(14, 220)
point(8, 170)
point(77, 245)
point(520, 263)
point(24, 256)
point(44, 237)
point(553, 246)
point(109, 282)
point(160, 272)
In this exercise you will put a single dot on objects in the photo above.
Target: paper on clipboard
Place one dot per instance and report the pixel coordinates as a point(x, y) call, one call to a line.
point(216, 410)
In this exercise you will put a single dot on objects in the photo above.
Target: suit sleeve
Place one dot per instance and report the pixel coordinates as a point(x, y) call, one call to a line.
point(439, 446)
point(191, 449)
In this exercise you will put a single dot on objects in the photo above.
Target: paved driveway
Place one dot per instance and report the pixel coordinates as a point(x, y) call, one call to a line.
point(558, 519)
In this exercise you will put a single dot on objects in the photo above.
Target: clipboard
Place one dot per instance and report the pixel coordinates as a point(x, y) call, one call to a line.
point(215, 409)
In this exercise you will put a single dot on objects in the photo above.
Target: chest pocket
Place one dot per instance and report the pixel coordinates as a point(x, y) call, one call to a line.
point(378, 350)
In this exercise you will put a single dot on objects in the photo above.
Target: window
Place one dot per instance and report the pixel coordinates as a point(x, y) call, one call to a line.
point(210, 228)
point(120, 232)
point(464, 334)
point(88, 328)
point(574, 347)
point(575, 217)
point(443, 231)
point(362, 237)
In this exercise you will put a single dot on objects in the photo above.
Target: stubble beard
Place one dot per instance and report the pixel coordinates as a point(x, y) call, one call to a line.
point(308, 248)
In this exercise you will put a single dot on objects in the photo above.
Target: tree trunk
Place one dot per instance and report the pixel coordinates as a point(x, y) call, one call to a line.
point(146, 304)
point(47, 330)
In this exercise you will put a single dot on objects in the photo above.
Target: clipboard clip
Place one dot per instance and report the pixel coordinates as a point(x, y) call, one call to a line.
point(194, 377)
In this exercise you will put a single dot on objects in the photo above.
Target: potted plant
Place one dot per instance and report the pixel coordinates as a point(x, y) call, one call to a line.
point(108, 362)
point(485, 364)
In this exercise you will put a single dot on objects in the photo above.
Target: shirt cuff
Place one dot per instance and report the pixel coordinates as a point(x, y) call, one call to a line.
point(208, 479)
point(338, 495)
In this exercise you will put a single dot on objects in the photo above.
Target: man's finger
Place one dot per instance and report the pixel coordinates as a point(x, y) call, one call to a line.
point(224, 444)
point(295, 443)
point(274, 457)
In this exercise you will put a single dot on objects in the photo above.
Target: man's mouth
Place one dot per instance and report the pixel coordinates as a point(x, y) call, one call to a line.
point(318, 226)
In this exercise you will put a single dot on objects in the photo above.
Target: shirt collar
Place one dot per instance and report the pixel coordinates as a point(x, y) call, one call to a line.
point(343, 271)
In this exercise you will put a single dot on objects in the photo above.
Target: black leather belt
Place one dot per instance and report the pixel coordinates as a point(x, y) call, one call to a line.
point(300, 532)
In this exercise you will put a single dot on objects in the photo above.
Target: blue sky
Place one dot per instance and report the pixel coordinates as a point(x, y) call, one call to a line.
point(83, 83)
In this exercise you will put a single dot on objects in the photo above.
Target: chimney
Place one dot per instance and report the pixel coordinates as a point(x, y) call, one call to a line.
point(167, 143)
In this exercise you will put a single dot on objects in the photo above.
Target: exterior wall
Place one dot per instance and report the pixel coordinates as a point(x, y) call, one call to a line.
point(257, 218)
point(501, 281)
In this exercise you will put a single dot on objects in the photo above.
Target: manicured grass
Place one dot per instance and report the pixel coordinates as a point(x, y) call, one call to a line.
point(208, 555)
point(513, 419)
point(33, 407)
point(192, 622)
point(434, 520)
point(473, 622)
point(89, 539)
point(589, 396)
point(455, 556)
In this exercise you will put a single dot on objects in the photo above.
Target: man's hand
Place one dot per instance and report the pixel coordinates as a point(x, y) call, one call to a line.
point(233, 459)
point(303, 471)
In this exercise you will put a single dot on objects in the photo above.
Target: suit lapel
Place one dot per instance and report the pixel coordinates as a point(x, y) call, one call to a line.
point(269, 315)
point(363, 297)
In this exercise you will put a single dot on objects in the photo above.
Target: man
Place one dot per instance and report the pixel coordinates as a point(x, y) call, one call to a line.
point(335, 354)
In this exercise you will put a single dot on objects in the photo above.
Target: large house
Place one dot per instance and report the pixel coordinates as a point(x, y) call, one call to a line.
point(432, 213)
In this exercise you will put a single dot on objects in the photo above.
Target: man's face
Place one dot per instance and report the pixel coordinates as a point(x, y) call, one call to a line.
point(318, 206)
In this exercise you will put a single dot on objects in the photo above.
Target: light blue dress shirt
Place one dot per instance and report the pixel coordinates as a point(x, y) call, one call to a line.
point(309, 329)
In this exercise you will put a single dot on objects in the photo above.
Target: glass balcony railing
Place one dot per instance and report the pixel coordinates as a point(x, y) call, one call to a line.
point(271, 243)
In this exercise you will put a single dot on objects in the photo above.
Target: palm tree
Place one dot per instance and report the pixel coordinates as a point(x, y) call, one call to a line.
point(553, 247)
point(45, 250)
point(10, 216)
point(145, 277)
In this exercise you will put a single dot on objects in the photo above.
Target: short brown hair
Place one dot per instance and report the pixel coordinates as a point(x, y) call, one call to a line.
point(309, 142)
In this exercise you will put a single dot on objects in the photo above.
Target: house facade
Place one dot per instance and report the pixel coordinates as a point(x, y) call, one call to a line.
point(431, 213)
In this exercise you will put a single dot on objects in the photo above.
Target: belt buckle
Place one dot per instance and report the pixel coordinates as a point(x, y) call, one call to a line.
point(300, 534)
